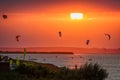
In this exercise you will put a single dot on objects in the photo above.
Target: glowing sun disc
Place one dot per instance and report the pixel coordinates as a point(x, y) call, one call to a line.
point(77, 16)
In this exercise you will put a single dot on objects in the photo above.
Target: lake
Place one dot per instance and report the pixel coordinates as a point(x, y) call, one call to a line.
point(110, 62)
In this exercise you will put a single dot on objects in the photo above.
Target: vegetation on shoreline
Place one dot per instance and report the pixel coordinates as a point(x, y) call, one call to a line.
point(38, 71)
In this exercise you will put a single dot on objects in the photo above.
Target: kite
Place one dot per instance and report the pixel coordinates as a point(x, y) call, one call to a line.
point(4, 16)
point(87, 42)
point(60, 34)
point(108, 36)
point(17, 38)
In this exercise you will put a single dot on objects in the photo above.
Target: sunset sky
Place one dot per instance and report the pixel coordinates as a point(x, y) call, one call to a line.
point(39, 21)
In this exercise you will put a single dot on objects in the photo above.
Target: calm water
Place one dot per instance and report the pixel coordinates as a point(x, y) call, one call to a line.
point(111, 62)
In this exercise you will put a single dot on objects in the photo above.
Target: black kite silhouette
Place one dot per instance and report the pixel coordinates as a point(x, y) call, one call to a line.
point(108, 36)
point(87, 42)
point(60, 34)
point(4, 16)
point(17, 38)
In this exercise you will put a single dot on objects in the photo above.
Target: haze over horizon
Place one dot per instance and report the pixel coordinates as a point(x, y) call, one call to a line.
point(39, 21)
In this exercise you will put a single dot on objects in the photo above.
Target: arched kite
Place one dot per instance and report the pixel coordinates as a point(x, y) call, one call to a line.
point(4, 16)
point(108, 36)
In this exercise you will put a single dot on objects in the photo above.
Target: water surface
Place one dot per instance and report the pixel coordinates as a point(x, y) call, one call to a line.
point(110, 62)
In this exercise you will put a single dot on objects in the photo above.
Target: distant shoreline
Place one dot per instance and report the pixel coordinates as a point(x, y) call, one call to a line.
point(60, 50)
point(52, 53)
point(6, 52)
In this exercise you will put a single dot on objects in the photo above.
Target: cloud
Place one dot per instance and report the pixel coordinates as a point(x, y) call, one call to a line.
point(9, 5)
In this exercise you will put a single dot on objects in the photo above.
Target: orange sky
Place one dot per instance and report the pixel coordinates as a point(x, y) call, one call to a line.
point(39, 26)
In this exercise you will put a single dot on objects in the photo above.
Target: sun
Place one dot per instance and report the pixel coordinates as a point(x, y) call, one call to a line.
point(76, 16)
